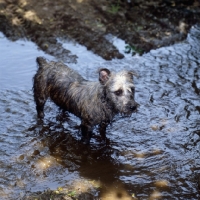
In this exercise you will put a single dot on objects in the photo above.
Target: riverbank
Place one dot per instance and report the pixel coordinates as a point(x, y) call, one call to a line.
point(142, 25)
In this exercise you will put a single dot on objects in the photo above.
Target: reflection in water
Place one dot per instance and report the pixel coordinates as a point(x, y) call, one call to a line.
point(153, 154)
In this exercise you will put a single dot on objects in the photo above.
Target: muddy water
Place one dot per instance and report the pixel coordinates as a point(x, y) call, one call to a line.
point(153, 154)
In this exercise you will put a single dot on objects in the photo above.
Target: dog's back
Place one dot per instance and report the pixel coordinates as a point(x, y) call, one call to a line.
point(57, 70)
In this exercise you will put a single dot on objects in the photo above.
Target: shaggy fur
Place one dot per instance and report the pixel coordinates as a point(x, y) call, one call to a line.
point(96, 103)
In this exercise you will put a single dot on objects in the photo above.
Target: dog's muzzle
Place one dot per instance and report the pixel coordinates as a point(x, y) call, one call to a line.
point(132, 107)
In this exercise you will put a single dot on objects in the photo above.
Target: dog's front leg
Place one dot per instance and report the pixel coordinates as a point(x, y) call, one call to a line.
point(102, 131)
point(86, 131)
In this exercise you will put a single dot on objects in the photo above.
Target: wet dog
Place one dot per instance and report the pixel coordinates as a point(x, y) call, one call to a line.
point(96, 103)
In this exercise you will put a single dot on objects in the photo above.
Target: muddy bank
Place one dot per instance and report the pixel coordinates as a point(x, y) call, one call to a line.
point(144, 25)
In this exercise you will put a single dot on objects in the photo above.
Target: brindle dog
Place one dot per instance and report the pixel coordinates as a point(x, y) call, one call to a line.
point(96, 103)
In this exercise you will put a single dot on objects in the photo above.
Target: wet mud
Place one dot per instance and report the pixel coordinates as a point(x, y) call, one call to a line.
point(143, 25)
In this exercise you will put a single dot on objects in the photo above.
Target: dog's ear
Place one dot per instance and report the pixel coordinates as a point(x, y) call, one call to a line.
point(104, 75)
point(132, 73)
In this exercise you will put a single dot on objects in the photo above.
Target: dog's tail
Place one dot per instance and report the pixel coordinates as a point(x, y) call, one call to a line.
point(41, 61)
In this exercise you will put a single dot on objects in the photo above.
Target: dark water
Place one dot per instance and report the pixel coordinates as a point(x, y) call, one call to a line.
point(153, 154)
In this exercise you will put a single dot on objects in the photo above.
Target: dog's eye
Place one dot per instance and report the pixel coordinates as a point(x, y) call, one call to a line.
point(118, 92)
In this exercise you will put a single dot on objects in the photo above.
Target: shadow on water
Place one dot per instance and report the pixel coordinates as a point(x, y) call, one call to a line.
point(154, 154)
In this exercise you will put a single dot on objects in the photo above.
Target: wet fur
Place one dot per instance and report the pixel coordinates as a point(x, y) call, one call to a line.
point(94, 102)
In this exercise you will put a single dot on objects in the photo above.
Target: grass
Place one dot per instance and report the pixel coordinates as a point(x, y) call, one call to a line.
point(114, 8)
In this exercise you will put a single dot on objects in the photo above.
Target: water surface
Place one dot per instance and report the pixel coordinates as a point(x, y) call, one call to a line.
point(154, 153)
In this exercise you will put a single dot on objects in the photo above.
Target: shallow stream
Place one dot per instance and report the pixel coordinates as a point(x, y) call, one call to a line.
point(153, 154)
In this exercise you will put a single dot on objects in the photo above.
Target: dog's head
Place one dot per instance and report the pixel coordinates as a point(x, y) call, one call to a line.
point(119, 90)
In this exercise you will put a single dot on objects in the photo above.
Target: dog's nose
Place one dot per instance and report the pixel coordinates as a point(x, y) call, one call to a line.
point(133, 107)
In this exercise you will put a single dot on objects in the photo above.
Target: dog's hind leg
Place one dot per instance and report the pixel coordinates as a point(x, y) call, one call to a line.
point(40, 94)
point(40, 99)
point(40, 107)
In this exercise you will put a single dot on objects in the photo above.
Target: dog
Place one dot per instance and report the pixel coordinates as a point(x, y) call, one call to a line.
point(95, 103)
